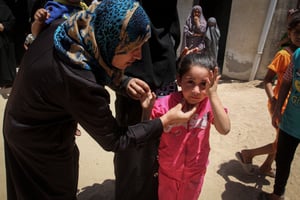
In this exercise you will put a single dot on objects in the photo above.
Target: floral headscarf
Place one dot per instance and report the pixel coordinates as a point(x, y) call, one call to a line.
point(91, 38)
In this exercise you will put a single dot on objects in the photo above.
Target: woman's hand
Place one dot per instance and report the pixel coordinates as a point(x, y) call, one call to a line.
point(176, 116)
point(1, 27)
point(136, 88)
point(187, 51)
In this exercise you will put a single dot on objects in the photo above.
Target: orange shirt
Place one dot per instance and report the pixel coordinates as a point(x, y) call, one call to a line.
point(279, 65)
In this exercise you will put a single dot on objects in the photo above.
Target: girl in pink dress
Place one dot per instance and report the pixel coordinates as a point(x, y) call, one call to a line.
point(184, 148)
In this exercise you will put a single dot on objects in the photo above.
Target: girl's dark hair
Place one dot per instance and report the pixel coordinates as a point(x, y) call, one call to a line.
point(202, 59)
point(294, 21)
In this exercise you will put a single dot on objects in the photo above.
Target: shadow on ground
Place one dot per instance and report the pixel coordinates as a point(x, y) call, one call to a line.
point(104, 191)
point(240, 185)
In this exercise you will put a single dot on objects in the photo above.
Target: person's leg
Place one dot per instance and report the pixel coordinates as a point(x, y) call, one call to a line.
point(168, 187)
point(286, 148)
point(249, 154)
point(266, 167)
point(191, 188)
point(9, 162)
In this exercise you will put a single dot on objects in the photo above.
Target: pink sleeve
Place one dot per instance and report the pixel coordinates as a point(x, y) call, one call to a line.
point(158, 109)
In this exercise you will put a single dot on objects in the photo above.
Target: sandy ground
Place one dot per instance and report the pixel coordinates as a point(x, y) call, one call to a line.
point(225, 178)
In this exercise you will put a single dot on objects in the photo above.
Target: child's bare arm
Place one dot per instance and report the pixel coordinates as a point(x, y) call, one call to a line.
point(221, 118)
point(147, 102)
point(40, 16)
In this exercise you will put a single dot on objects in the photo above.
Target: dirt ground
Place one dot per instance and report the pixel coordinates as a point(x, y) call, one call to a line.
point(225, 178)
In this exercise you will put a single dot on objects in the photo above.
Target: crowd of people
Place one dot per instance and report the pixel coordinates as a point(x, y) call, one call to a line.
point(161, 149)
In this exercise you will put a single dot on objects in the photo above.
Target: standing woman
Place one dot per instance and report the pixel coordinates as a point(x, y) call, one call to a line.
point(213, 36)
point(62, 82)
point(137, 167)
point(7, 49)
point(194, 30)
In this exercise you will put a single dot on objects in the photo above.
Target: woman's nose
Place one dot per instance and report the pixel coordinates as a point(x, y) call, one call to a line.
point(137, 54)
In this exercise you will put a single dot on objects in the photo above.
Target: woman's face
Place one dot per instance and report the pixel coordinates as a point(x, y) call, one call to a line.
point(122, 61)
point(197, 12)
point(193, 84)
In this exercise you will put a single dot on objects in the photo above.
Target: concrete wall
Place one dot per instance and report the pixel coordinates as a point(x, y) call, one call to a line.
point(184, 9)
point(246, 24)
point(244, 28)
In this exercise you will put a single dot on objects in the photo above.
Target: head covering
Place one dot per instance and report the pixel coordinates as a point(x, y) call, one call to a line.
point(213, 36)
point(91, 38)
point(190, 18)
point(190, 40)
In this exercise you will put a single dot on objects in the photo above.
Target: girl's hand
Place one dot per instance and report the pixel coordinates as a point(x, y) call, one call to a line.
point(212, 81)
point(276, 117)
point(148, 100)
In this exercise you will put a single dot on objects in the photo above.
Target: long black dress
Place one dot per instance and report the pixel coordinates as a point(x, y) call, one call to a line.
point(47, 101)
point(136, 169)
point(7, 49)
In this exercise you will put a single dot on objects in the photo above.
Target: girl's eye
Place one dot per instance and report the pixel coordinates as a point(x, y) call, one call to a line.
point(190, 82)
point(203, 83)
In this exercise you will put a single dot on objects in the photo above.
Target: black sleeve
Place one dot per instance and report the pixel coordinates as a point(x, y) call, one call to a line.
point(89, 103)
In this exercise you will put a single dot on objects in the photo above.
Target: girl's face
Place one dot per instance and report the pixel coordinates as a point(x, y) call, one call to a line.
point(122, 61)
point(193, 83)
point(294, 35)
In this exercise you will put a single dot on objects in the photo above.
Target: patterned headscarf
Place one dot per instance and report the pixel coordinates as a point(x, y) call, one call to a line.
point(91, 38)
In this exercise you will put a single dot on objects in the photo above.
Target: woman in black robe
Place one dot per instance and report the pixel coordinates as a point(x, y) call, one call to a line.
point(7, 49)
point(61, 82)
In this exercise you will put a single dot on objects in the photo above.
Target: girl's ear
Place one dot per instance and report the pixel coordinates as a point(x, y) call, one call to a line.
point(178, 80)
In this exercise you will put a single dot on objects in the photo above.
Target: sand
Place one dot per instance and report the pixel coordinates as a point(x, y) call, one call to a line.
point(225, 178)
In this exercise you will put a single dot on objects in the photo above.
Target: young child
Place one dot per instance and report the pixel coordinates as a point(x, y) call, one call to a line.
point(285, 40)
point(277, 69)
point(287, 122)
point(52, 10)
point(184, 148)
point(288, 125)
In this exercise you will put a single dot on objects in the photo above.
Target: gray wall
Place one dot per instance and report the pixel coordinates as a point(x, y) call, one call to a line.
point(246, 24)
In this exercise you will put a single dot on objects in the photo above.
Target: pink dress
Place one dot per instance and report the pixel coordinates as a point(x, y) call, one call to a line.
point(183, 151)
